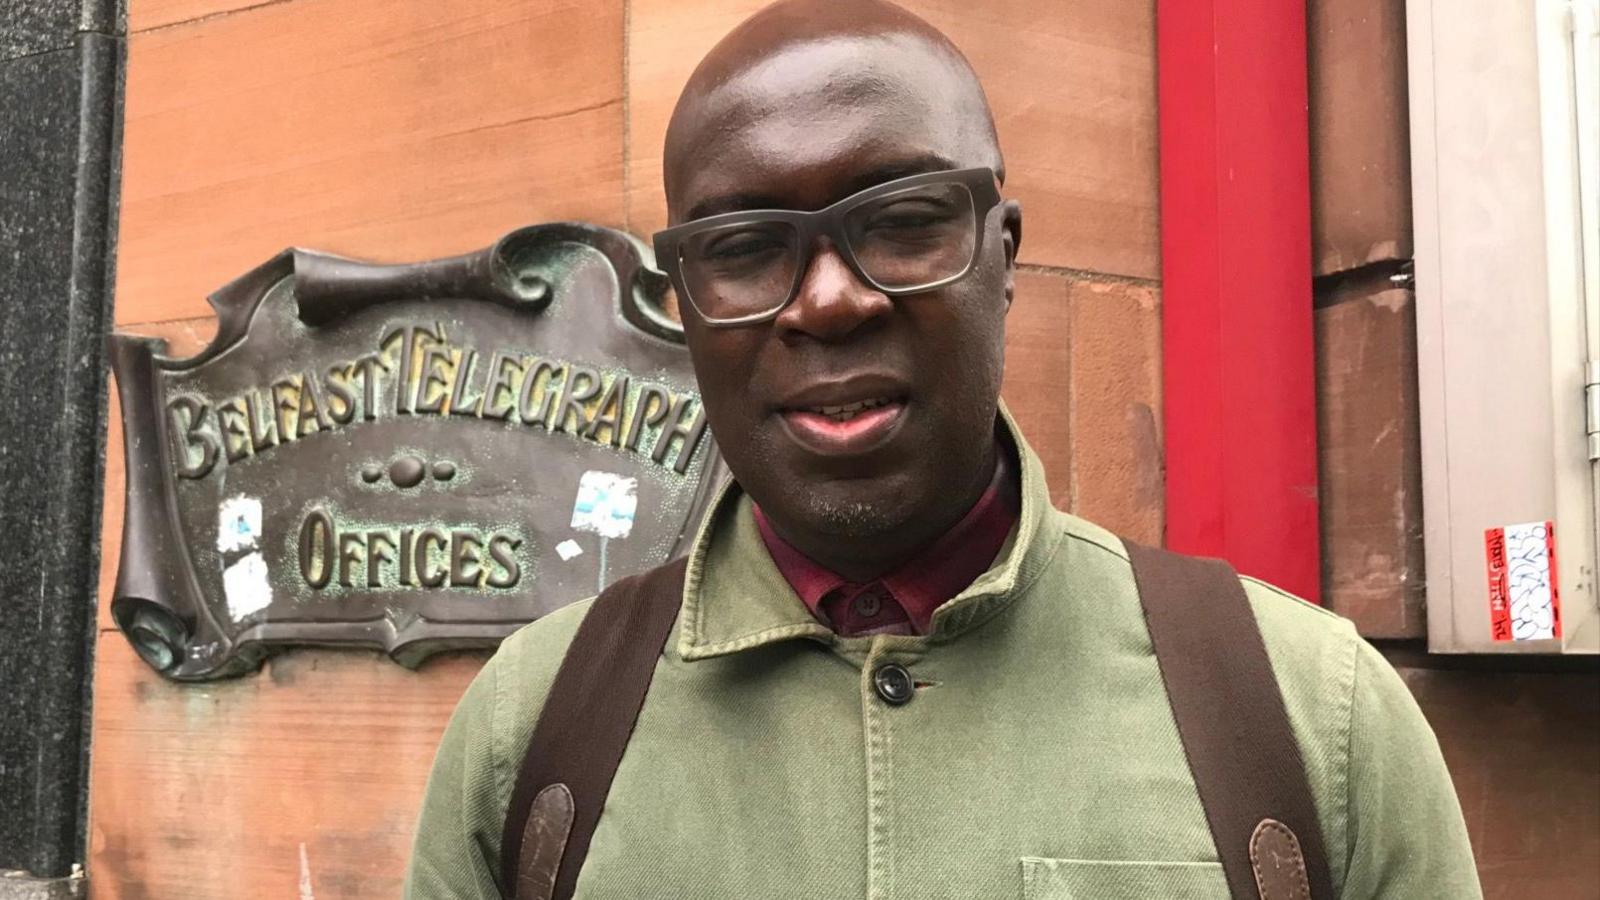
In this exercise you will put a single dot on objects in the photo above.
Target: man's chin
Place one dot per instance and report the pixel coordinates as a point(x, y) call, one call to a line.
point(849, 513)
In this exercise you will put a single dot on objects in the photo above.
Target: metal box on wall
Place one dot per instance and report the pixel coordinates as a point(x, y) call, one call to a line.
point(1504, 144)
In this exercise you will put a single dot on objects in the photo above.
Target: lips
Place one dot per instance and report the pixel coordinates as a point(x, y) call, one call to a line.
point(845, 418)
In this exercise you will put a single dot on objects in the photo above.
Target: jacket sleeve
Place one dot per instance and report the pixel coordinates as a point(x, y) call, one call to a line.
point(456, 851)
point(1406, 837)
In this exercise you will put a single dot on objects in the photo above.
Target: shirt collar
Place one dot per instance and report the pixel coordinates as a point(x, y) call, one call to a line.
point(735, 597)
point(934, 575)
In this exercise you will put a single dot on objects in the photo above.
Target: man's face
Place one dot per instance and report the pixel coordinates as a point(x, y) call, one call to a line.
point(800, 130)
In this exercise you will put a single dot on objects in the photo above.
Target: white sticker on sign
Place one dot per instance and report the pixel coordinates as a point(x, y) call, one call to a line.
point(606, 504)
point(238, 523)
point(245, 585)
point(568, 549)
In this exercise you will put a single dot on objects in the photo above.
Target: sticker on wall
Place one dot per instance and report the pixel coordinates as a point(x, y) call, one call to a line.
point(606, 504)
point(238, 524)
point(1524, 600)
point(245, 582)
point(246, 586)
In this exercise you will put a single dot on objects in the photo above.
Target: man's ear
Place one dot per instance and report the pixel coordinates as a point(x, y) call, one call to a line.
point(1011, 239)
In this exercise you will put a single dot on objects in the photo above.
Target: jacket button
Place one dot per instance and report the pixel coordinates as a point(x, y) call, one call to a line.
point(893, 684)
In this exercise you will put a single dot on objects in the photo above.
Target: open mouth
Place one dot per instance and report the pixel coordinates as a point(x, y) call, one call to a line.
point(848, 411)
point(846, 428)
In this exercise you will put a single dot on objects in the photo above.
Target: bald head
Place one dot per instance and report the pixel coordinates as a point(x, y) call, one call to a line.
point(799, 62)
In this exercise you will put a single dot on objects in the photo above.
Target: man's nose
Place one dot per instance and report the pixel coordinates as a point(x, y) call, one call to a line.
point(832, 301)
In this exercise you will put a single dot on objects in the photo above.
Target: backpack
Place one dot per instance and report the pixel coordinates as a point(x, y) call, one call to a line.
point(1230, 716)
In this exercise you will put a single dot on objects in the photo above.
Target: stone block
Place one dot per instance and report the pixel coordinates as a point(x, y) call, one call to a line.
point(304, 780)
point(1118, 473)
point(55, 236)
point(1038, 381)
point(148, 14)
point(36, 26)
point(1522, 748)
point(1369, 456)
point(386, 130)
point(1360, 137)
point(28, 27)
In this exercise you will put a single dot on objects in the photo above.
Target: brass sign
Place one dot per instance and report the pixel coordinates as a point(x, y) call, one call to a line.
point(411, 457)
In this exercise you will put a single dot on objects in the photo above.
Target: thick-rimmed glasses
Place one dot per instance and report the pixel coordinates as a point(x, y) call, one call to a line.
point(900, 237)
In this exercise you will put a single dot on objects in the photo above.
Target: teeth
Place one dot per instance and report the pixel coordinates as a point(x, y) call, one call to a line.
point(847, 410)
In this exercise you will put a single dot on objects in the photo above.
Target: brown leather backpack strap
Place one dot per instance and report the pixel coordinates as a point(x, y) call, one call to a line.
point(582, 731)
point(1235, 730)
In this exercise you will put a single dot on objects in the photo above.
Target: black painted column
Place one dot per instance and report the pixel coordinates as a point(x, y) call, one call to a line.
point(60, 94)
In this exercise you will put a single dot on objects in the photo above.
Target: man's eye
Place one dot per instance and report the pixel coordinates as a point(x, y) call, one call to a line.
point(910, 217)
point(741, 246)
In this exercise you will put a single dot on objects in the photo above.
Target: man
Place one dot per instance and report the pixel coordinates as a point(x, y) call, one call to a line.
point(888, 516)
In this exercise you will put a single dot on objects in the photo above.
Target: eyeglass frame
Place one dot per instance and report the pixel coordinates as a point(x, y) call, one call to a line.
point(982, 188)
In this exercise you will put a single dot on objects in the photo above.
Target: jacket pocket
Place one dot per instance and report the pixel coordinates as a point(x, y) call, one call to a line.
point(1087, 879)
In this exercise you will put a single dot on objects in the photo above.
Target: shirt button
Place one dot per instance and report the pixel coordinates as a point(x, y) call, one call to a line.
point(868, 604)
point(893, 684)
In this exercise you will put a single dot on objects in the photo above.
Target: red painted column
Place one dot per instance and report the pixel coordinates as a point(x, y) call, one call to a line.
point(1238, 362)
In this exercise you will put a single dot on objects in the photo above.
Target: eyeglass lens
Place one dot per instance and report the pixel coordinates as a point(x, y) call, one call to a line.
point(904, 240)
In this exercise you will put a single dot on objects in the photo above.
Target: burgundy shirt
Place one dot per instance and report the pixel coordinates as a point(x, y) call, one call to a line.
point(903, 601)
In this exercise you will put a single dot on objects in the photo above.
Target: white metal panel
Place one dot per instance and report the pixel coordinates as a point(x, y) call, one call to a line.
point(1567, 86)
point(1500, 366)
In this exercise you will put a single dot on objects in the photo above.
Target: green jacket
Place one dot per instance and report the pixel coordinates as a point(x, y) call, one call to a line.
point(1040, 761)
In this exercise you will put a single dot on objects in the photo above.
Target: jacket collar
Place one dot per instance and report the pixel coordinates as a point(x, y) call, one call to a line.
point(734, 597)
